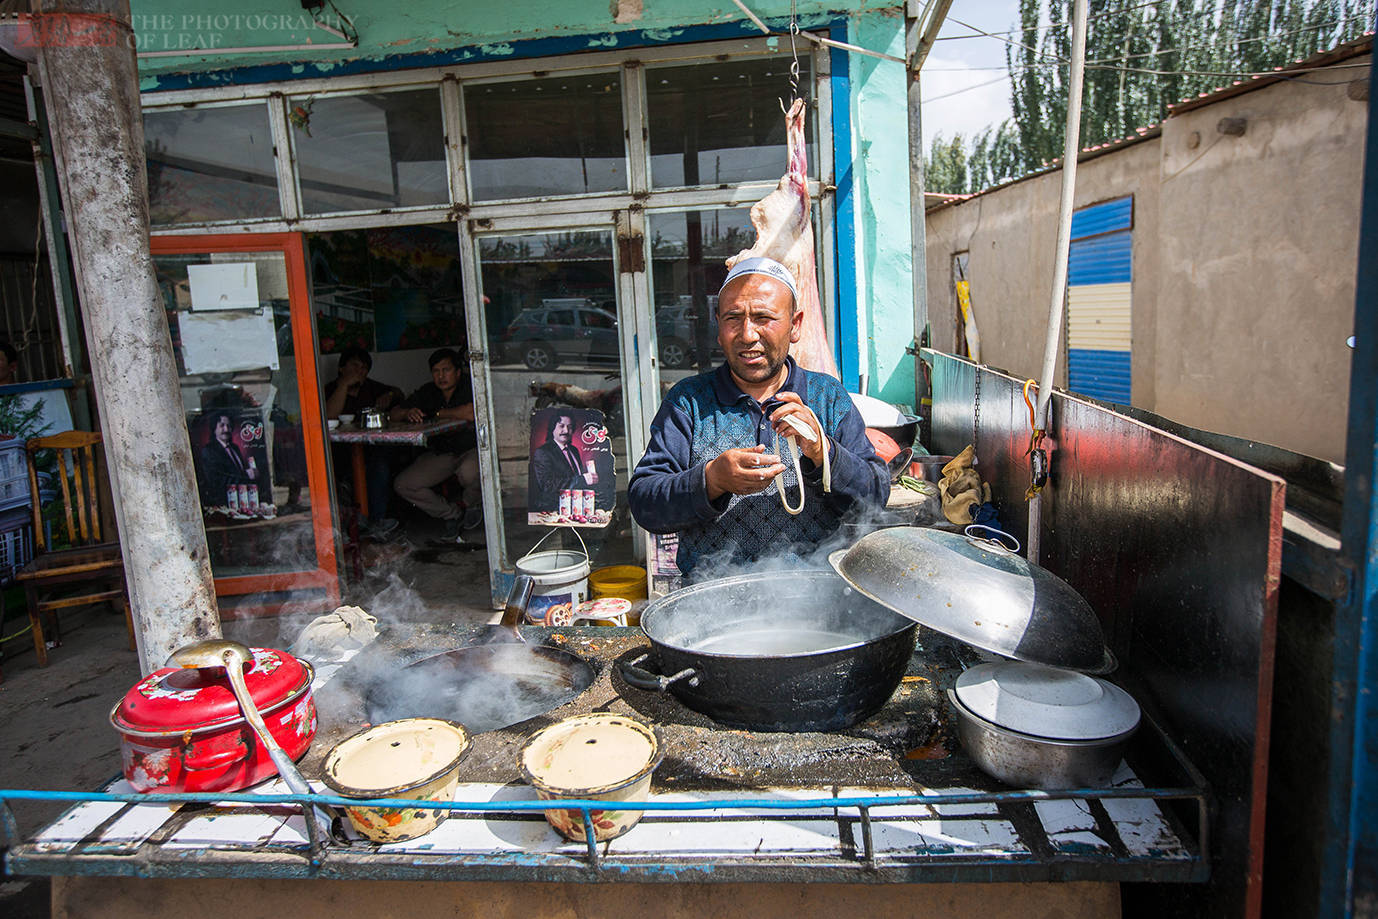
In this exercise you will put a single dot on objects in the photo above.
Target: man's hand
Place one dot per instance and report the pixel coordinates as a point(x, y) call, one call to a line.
point(741, 471)
point(414, 415)
point(794, 406)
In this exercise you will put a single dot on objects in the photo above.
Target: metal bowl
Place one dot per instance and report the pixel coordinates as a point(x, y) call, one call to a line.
point(978, 592)
point(1026, 761)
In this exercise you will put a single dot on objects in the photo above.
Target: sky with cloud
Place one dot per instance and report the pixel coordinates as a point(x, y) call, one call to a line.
point(965, 85)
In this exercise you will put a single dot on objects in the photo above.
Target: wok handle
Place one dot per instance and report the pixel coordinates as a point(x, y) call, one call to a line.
point(653, 682)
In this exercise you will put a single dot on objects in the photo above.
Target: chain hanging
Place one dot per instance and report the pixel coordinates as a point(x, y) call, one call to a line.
point(794, 50)
point(976, 406)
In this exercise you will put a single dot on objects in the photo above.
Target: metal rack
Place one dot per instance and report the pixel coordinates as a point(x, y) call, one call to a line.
point(884, 836)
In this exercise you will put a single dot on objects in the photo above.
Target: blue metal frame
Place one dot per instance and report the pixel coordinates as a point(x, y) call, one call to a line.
point(1349, 880)
point(319, 851)
point(846, 311)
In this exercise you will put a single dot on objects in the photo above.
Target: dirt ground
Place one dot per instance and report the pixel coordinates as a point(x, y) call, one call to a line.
point(55, 732)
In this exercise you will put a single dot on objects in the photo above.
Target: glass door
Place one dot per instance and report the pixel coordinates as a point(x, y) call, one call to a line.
point(556, 343)
point(242, 336)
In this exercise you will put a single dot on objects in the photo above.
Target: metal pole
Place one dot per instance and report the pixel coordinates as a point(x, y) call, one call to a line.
point(1071, 144)
point(918, 249)
point(91, 86)
point(918, 40)
point(49, 201)
point(1349, 867)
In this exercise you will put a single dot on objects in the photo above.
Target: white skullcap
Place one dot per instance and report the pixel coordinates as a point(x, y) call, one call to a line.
point(766, 266)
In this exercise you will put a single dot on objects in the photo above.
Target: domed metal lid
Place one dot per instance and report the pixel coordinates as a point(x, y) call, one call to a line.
point(1047, 701)
point(178, 699)
point(979, 592)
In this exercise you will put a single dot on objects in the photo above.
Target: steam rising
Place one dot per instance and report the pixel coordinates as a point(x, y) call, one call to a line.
point(483, 687)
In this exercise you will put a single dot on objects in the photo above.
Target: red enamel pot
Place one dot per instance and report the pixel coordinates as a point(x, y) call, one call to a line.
point(182, 730)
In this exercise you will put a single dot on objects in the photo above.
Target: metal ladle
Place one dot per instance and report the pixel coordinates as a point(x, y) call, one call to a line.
point(508, 628)
point(232, 656)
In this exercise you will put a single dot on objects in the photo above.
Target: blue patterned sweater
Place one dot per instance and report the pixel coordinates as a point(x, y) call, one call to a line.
point(704, 415)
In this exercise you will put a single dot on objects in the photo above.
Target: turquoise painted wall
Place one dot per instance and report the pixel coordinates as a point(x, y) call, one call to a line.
point(419, 33)
point(428, 26)
point(880, 144)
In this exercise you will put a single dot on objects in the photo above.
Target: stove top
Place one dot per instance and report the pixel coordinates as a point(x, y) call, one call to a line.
point(911, 739)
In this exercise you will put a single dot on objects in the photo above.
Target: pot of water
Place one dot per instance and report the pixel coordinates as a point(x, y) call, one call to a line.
point(778, 651)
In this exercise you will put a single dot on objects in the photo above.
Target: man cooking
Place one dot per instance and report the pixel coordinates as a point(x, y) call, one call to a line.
point(712, 463)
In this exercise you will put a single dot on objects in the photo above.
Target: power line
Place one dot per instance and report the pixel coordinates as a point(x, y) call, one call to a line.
point(1047, 58)
point(1050, 27)
point(964, 89)
point(1235, 43)
point(1008, 41)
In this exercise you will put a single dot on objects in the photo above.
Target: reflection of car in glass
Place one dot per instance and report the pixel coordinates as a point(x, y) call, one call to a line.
point(675, 330)
point(567, 329)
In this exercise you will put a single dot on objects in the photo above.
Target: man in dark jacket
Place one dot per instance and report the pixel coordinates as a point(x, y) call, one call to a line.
point(449, 395)
point(712, 457)
point(352, 391)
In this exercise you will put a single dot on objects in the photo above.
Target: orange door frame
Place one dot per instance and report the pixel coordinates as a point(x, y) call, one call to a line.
point(326, 574)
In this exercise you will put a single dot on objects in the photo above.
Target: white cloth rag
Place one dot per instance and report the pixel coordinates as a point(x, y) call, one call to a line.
point(335, 636)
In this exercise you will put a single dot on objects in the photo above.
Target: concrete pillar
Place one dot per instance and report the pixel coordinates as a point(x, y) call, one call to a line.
point(91, 85)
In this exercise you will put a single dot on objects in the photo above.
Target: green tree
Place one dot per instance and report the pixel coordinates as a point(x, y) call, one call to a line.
point(946, 169)
point(1140, 58)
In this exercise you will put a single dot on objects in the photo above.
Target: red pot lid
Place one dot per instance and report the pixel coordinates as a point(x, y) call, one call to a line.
point(183, 699)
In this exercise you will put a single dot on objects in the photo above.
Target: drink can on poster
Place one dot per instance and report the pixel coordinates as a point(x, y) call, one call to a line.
point(566, 503)
point(232, 498)
point(576, 504)
point(253, 497)
point(588, 502)
point(243, 498)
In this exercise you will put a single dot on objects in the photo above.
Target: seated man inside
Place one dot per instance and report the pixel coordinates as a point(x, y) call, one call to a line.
point(352, 391)
point(711, 463)
point(450, 396)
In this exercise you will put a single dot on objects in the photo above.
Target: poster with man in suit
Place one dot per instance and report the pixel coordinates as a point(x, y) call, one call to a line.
point(231, 461)
point(571, 479)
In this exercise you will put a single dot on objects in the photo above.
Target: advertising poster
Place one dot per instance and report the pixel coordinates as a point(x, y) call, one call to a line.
point(230, 452)
point(571, 480)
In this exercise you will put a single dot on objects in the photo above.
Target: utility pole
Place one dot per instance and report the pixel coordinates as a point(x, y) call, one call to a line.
point(922, 21)
point(86, 63)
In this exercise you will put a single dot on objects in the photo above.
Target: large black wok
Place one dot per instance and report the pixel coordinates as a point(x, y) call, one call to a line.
point(483, 687)
point(780, 651)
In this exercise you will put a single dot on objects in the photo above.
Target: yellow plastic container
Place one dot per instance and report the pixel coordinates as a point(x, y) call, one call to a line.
point(625, 581)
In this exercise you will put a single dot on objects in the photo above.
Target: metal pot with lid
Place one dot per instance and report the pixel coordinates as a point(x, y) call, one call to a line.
point(980, 592)
point(183, 729)
point(372, 419)
point(1043, 727)
point(1036, 721)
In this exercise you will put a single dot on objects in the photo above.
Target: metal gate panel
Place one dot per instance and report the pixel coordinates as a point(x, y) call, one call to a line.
point(1100, 317)
point(1178, 549)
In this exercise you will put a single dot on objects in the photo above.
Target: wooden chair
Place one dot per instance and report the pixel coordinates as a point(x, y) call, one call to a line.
point(90, 563)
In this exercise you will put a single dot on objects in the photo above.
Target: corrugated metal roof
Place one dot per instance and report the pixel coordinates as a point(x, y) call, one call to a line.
point(1341, 52)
